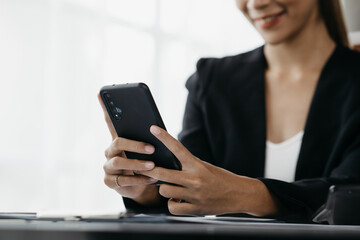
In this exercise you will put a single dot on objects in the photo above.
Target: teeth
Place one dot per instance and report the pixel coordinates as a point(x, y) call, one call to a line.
point(268, 19)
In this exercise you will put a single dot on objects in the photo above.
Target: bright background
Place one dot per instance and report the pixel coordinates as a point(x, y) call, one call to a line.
point(54, 57)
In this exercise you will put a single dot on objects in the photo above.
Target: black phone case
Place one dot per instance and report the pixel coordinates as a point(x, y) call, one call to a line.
point(138, 112)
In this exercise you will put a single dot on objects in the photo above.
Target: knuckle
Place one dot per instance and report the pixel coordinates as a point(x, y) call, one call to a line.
point(118, 143)
point(197, 183)
point(107, 167)
point(155, 173)
point(158, 174)
point(106, 153)
point(107, 181)
point(115, 162)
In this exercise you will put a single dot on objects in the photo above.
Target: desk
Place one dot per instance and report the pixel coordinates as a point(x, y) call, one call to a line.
point(170, 231)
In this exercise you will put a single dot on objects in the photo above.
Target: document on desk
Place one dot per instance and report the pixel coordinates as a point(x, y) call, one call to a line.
point(56, 215)
point(78, 215)
point(121, 216)
point(220, 220)
point(206, 219)
point(125, 217)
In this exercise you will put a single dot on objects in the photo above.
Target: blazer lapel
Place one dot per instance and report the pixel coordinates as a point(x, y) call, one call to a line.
point(248, 101)
point(322, 122)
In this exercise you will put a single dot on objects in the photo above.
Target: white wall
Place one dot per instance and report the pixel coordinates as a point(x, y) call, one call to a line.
point(352, 18)
point(54, 57)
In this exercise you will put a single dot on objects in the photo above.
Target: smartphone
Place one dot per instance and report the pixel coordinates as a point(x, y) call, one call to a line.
point(132, 111)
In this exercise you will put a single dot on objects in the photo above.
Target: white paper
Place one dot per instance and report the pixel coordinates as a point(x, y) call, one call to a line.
point(75, 215)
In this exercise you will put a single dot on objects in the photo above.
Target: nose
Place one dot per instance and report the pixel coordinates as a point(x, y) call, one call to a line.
point(258, 4)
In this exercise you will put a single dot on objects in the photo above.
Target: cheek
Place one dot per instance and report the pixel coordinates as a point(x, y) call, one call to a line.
point(299, 12)
point(298, 15)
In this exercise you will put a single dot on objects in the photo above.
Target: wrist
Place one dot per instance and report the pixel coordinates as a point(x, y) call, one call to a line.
point(257, 199)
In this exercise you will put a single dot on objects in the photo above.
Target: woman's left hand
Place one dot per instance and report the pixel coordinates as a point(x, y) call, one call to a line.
point(206, 189)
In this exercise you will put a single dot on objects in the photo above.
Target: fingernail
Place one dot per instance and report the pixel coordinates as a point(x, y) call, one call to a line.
point(154, 130)
point(153, 180)
point(149, 148)
point(149, 165)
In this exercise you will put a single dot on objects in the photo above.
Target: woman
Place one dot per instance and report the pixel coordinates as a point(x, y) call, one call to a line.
point(297, 97)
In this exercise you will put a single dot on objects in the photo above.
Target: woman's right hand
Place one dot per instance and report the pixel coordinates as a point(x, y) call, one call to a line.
point(119, 170)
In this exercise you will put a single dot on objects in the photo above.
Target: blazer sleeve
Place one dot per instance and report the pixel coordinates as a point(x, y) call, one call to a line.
point(193, 135)
point(134, 207)
point(303, 198)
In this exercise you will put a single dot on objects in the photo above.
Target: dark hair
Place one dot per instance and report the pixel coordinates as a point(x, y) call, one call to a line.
point(331, 12)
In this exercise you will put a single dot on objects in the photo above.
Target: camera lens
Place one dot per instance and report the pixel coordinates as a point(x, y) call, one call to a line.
point(118, 110)
point(107, 95)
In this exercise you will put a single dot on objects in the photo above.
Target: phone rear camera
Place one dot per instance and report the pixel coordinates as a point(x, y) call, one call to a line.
point(117, 113)
point(118, 110)
point(107, 95)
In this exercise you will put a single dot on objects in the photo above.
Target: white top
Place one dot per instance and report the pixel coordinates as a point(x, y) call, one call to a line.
point(281, 158)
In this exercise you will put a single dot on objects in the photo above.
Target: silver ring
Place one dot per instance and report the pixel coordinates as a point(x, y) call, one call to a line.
point(116, 181)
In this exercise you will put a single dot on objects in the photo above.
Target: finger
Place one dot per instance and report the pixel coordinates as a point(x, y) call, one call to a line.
point(181, 208)
point(172, 144)
point(122, 144)
point(168, 175)
point(107, 118)
point(175, 192)
point(117, 164)
point(127, 180)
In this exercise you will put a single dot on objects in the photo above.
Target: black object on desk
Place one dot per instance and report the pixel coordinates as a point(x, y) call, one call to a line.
point(342, 206)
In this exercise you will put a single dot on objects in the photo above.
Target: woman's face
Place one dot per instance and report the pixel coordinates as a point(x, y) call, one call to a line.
point(279, 20)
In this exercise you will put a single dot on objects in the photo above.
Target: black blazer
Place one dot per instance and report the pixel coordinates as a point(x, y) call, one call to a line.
point(225, 124)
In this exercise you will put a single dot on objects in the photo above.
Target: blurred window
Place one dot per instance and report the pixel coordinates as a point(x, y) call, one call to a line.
point(55, 56)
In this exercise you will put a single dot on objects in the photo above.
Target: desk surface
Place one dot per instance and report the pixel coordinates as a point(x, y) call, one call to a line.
point(68, 230)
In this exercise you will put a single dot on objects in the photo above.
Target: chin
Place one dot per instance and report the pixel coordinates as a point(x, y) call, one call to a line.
point(275, 38)
point(273, 41)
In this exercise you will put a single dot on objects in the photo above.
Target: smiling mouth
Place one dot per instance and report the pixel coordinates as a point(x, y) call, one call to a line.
point(268, 21)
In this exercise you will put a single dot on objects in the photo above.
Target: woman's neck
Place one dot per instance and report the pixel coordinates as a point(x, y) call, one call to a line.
point(303, 51)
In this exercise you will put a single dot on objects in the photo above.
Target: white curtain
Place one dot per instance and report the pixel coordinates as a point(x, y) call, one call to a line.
point(54, 57)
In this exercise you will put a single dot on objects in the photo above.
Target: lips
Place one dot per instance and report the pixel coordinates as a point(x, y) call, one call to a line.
point(268, 21)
